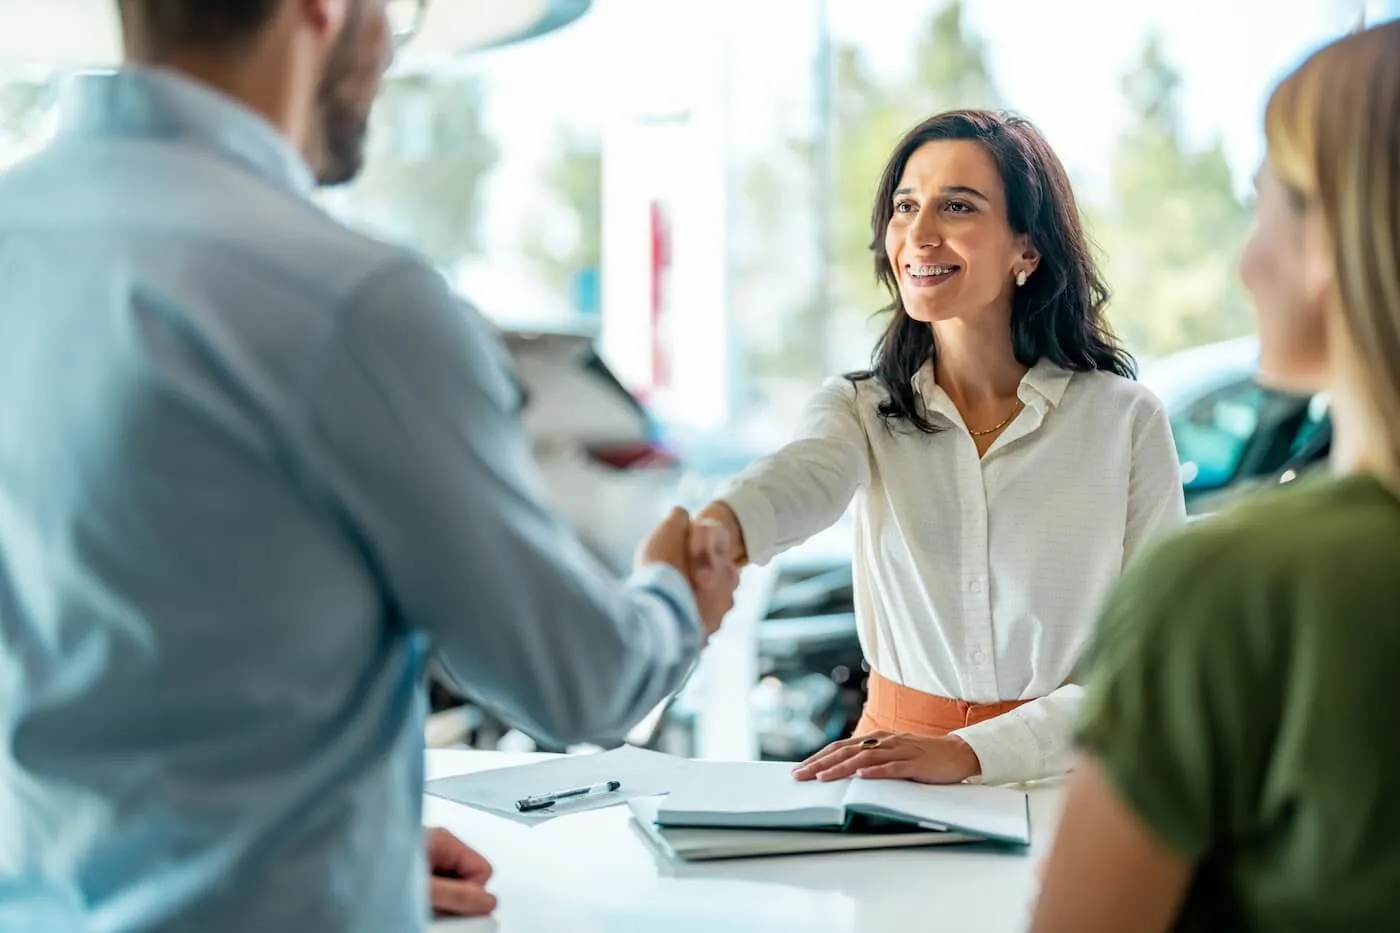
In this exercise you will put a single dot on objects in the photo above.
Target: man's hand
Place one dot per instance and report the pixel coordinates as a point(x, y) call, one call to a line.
point(701, 551)
point(458, 877)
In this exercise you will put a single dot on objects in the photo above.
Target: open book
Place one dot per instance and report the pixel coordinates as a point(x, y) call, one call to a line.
point(763, 795)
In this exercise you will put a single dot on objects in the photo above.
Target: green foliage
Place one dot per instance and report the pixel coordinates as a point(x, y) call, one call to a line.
point(868, 117)
point(573, 182)
point(1174, 225)
point(430, 154)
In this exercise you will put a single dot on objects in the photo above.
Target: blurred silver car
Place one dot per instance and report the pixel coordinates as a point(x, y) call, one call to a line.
point(605, 469)
point(600, 453)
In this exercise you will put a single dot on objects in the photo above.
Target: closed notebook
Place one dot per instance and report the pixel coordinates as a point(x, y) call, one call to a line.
point(701, 844)
point(764, 795)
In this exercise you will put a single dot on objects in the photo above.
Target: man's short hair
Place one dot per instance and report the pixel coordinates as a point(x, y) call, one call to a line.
point(163, 25)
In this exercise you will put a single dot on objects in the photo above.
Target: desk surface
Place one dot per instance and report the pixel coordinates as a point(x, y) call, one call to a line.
point(593, 872)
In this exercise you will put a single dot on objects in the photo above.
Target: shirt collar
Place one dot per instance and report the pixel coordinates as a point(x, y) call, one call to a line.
point(1043, 385)
point(138, 101)
point(1046, 380)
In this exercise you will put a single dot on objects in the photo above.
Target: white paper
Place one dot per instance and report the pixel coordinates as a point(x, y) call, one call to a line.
point(642, 774)
point(714, 792)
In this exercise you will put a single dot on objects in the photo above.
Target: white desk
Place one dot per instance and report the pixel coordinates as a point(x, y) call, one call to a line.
point(594, 873)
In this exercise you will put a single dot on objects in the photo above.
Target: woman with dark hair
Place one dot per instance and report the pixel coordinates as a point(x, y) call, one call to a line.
point(1003, 463)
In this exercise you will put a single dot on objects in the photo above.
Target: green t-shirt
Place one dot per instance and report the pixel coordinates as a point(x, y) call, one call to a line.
point(1244, 696)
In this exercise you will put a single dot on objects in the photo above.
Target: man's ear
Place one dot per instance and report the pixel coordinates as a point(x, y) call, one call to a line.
point(326, 17)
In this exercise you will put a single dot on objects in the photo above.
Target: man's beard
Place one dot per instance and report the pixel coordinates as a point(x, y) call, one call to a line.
point(343, 133)
point(343, 125)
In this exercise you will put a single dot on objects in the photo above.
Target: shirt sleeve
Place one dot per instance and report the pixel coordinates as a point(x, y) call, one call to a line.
point(1156, 499)
point(1028, 743)
point(1180, 694)
point(415, 409)
point(803, 488)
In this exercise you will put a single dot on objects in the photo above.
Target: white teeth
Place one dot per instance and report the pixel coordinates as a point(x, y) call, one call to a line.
point(926, 270)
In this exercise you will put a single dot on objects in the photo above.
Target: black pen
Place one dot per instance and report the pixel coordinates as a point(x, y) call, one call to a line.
point(545, 801)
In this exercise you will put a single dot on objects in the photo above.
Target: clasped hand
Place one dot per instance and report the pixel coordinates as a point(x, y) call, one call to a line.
point(703, 550)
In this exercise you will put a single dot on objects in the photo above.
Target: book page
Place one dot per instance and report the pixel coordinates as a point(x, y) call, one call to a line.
point(751, 793)
point(994, 812)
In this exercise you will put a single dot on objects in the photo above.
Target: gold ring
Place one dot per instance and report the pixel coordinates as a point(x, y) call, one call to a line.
point(871, 742)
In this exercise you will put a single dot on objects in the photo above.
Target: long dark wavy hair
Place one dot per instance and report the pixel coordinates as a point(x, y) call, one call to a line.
point(1057, 316)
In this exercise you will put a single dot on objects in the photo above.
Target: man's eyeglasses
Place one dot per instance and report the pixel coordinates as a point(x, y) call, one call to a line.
point(405, 19)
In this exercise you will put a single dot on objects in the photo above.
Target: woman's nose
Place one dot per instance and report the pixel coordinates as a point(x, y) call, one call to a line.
point(925, 230)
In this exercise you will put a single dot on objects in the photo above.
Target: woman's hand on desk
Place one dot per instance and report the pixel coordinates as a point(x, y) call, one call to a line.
point(943, 760)
point(458, 877)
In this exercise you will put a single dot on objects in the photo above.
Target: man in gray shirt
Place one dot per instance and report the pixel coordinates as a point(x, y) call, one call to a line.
point(252, 466)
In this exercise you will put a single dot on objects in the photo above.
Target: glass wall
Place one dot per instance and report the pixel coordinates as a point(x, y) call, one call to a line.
point(693, 182)
point(697, 183)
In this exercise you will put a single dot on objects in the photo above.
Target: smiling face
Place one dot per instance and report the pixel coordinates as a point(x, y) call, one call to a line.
point(949, 240)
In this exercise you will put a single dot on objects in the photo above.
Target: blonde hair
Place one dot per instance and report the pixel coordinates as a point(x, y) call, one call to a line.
point(1333, 130)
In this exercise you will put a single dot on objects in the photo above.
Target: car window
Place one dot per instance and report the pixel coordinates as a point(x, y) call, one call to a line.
point(1316, 422)
point(1213, 433)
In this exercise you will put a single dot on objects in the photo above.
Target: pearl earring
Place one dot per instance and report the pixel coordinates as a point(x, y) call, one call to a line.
point(1021, 278)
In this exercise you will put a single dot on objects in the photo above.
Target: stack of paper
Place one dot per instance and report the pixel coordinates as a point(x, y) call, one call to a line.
point(701, 844)
point(765, 796)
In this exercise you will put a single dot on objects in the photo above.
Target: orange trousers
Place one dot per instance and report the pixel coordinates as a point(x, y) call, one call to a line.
point(892, 707)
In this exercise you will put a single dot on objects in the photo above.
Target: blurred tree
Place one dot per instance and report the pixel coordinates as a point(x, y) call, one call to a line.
point(429, 155)
point(866, 118)
point(1173, 229)
point(574, 187)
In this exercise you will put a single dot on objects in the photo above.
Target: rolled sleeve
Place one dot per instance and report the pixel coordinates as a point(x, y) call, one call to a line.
point(666, 583)
point(1031, 742)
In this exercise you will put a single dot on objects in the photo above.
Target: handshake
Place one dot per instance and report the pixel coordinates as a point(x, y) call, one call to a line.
point(708, 549)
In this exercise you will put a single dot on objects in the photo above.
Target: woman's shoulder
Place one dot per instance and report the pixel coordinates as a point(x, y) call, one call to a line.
point(1102, 385)
point(1107, 399)
point(858, 391)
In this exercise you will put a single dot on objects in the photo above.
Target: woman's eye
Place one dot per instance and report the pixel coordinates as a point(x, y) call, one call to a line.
point(904, 207)
point(959, 207)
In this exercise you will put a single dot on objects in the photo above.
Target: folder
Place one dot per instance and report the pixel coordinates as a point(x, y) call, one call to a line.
point(690, 844)
point(765, 796)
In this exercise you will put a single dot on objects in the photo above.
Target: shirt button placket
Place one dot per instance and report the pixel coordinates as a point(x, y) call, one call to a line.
point(976, 603)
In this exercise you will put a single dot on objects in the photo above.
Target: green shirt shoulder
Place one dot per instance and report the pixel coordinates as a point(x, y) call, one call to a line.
point(1242, 696)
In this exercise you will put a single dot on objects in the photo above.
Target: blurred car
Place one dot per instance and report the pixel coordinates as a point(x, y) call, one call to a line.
point(604, 462)
point(1233, 435)
point(604, 466)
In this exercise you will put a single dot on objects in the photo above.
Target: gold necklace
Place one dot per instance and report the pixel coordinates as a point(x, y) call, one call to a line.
point(1014, 412)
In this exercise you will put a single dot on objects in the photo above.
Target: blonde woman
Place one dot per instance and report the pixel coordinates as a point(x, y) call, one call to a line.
point(1241, 739)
